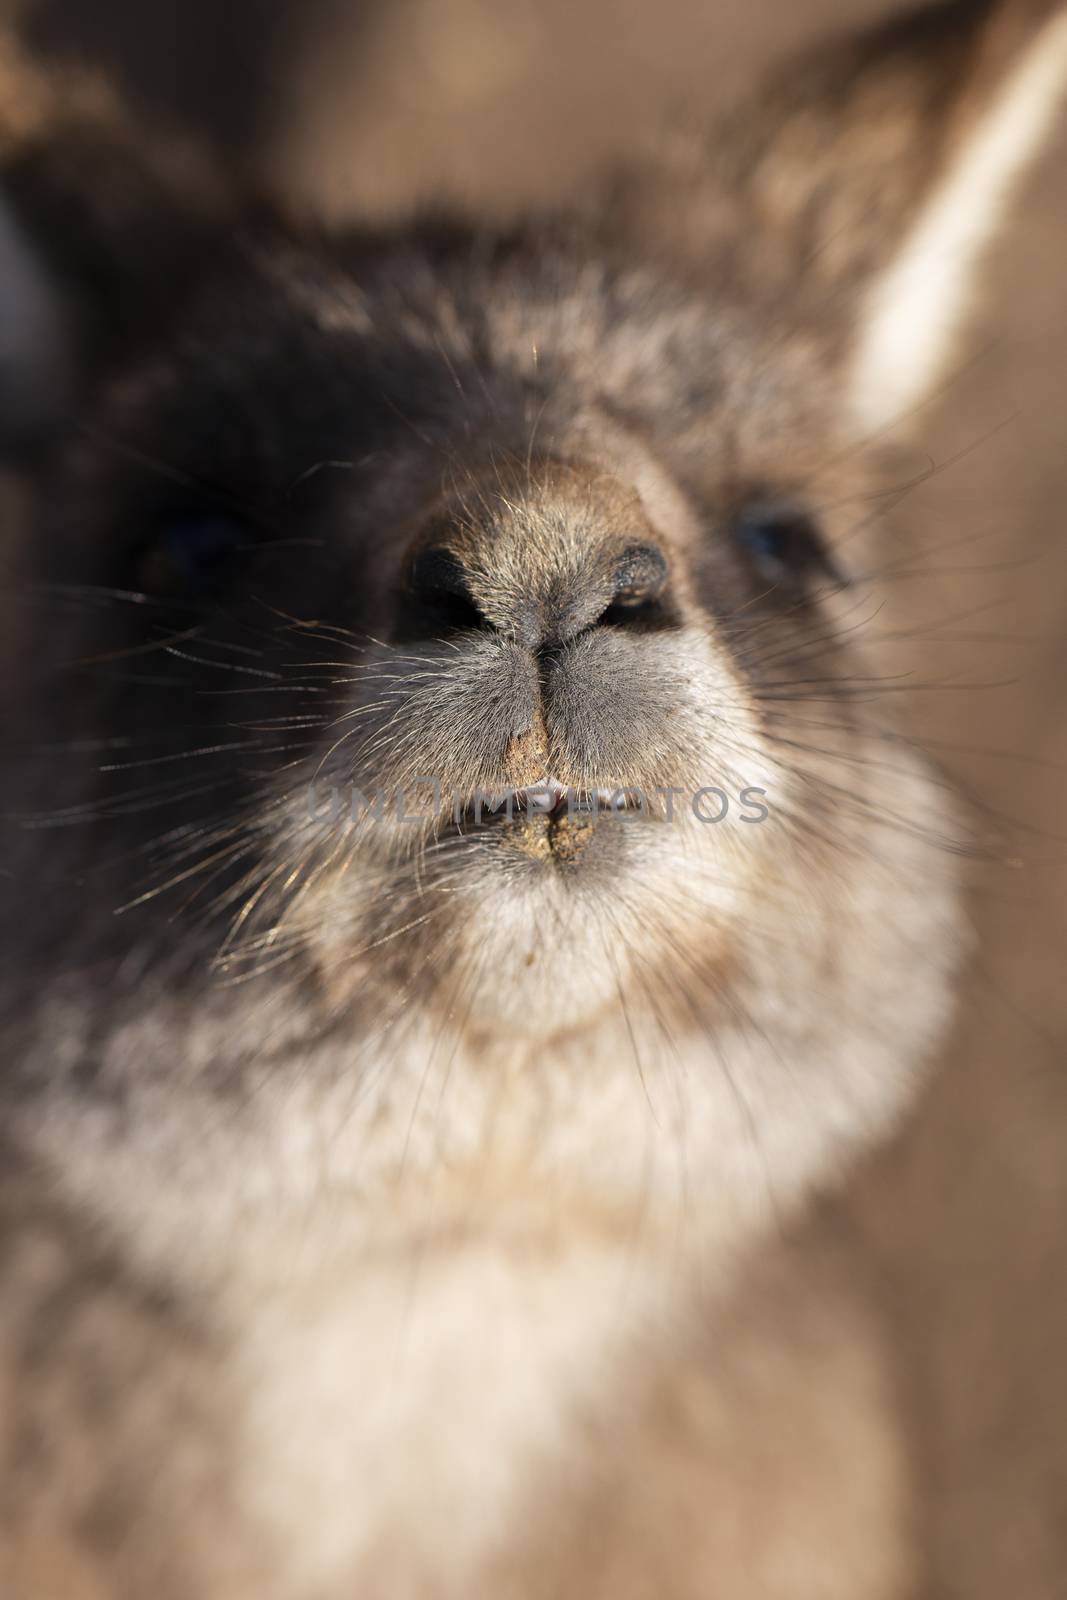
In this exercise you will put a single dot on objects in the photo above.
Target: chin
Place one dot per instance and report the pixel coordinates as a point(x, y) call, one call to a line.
point(531, 926)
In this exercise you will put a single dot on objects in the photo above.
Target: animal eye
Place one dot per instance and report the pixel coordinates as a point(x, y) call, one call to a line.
point(192, 553)
point(782, 543)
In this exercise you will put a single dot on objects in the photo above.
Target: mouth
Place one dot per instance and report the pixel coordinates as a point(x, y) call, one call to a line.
point(549, 821)
point(548, 802)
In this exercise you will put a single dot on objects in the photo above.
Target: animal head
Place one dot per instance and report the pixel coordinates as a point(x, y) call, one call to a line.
point(467, 620)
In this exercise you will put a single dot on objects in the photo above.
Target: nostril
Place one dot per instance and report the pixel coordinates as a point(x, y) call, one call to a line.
point(437, 598)
point(439, 571)
point(438, 584)
point(638, 581)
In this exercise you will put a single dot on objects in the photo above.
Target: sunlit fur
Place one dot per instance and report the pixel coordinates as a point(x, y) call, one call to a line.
point(434, 1130)
point(359, 1044)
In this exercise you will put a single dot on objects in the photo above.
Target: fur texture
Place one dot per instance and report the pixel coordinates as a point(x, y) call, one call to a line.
point(361, 1163)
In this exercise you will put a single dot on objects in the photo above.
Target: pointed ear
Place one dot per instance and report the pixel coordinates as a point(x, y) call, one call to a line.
point(915, 309)
point(100, 234)
point(872, 179)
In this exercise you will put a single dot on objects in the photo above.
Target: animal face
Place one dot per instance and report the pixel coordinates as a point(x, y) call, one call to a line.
point(467, 625)
point(384, 543)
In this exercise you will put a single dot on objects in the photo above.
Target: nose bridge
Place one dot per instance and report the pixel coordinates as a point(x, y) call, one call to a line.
point(540, 577)
point(543, 557)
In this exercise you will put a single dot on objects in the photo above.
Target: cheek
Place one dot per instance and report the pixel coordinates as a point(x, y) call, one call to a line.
point(722, 583)
point(437, 712)
point(660, 708)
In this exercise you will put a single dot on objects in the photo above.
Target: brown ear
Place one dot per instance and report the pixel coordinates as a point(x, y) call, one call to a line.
point(866, 181)
point(101, 231)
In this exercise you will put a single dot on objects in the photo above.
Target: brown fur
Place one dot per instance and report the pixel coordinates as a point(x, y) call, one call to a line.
point(410, 1285)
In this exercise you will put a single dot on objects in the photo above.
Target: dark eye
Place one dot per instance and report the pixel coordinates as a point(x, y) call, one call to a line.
point(782, 543)
point(192, 553)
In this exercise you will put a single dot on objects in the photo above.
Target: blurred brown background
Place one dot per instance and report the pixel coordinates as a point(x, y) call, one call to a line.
point(960, 1230)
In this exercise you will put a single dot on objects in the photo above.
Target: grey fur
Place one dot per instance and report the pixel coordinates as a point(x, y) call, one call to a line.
point(292, 1109)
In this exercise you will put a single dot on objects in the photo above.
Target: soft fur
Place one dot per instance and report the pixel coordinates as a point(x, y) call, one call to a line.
point(359, 1169)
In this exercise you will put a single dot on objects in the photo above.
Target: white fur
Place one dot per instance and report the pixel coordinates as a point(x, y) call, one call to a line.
point(427, 1286)
point(916, 308)
point(428, 1399)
